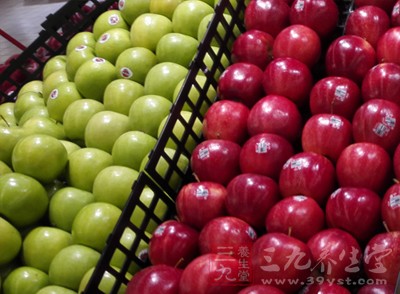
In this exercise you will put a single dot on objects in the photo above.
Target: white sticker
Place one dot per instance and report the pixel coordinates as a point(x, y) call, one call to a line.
point(262, 146)
point(341, 93)
point(335, 122)
point(98, 60)
point(121, 4)
point(396, 8)
point(104, 38)
point(159, 231)
point(113, 19)
point(381, 130)
point(390, 121)
point(394, 200)
point(80, 48)
point(202, 192)
point(298, 164)
point(143, 254)
point(299, 5)
point(126, 72)
point(54, 94)
point(252, 234)
point(204, 153)
point(299, 197)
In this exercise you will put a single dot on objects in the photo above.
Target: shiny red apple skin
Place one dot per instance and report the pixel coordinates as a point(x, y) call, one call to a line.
point(288, 77)
point(250, 197)
point(299, 216)
point(386, 5)
point(364, 165)
point(309, 174)
point(261, 289)
point(335, 95)
point(253, 46)
point(388, 46)
point(382, 257)
point(216, 160)
point(337, 254)
point(376, 289)
point(270, 16)
point(327, 134)
point(199, 202)
point(325, 288)
point(320, 15)
point(299, 42)
point(376, 121)
point(355, 210)
point(224, 232)
point(159, 278)
point(369, 22)
point(265, 154)
point(241, 82)
point(395, 14)
point(382, 82)
point(396, 163)
point(173, 243)
point(279, 257)
point(391, 207)
point(350, 56)
point(275, 114)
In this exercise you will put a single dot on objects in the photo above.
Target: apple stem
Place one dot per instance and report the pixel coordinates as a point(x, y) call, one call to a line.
point(289, 231)
point(180, 261)
point(386, 227)
point(2, 117)
point(396, 181)
point(196, 177)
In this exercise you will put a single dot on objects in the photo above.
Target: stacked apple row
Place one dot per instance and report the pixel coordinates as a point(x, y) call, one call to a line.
point(74, 142)
point(297, 189)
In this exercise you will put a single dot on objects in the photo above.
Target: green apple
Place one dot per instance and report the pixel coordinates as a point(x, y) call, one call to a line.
point(10, 242)
point(106, 283)
point(114, 184)
point(53, 289)
point(120, 94)
point(7, 115)
point(177, 48)
point(40, 110)
point(25, 102)
point(109, 19)
point(131, 9)
point(32, 199)
point(211, 62)
point(76, 58)
point(42, 157)
point(174, 179)
point(94, 223)
point(65, 204)
point(25, 279)
point(131, 147)
point(54, 186)
point(9, 136)
point(60, 98)
point(162, 79)
point(148, 28)
point(147, 112)
point(165, 7)
point(70, 146)
point(52, 81)
point(127, 239)
point(70, 265)
point(180, 128)
point(209, 2)
point(93, 76)
point(84, 165)
point(199, 90)
point(111, 43)
point(204, 24)
point(104, 127)
point(188, 15)
point(44, 125)
point(55, 63)
point(4, 168)
point(81, 38)
point(41, 245)
point(32, 86)
point(76, 117)
point(134, 63)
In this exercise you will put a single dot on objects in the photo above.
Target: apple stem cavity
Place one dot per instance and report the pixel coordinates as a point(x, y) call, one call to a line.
point(179, 262)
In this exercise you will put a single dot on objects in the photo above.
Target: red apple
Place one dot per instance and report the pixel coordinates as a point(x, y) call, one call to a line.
point(320, 15)
point(265, 154)
point(216, 161)
point(226, 119)
point(376, 121)
point(250, 197)
point(241, 82)
point(173, 243)
point(299, 42)
point(226, 234)
point(327, 134)
point(382, 82)
point(382, 257)
point(275, 114)
point(309, 174)
point(395, 14)
point(299, 216)
point(369, 22)
point(159, 278)
point(253, 46)
point(278, 259)
point(386, 5)
point(261, 289)
point(355, 210)
point(335, 95)
point(396, 162)
point(336, 253)
point(365, 165)
point(325, 288)
point(199, 202)
point(270, 16)
point(288, 77)
point(391, 207)
point(388, 46)
point(377, 289)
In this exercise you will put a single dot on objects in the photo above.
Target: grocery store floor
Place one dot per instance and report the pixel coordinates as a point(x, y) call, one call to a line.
point(21, 19)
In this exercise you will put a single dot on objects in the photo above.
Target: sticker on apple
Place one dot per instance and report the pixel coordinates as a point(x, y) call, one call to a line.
point(121, 4)
point(80, 48)
point(54, 94)
point(394, 200)
point(113, 19)
point(104, 38)
point(126, 72)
